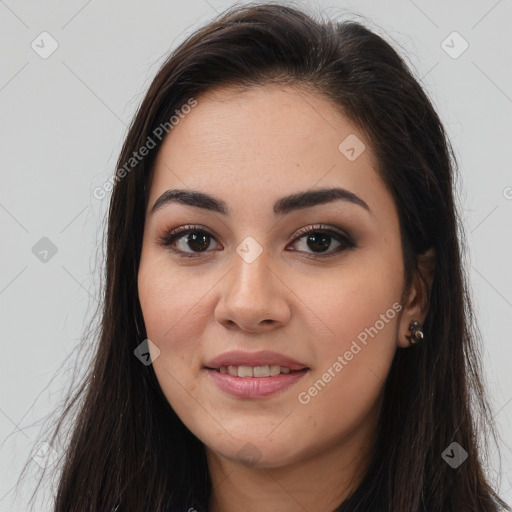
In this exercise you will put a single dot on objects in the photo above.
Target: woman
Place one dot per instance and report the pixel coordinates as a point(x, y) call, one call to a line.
point(286, 321)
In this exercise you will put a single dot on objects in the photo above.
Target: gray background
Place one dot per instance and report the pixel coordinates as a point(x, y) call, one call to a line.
point(63, 119)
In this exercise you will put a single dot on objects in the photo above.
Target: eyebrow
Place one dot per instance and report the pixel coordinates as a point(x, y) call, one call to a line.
point(287, 204)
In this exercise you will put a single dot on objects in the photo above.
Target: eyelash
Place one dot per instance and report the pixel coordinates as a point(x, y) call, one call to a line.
point(169, 239)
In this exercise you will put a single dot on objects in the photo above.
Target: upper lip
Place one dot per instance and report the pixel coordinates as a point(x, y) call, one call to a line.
point(261, 358)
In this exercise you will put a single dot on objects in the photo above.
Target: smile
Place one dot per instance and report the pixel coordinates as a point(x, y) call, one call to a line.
point(253, 382)
point(254, 371)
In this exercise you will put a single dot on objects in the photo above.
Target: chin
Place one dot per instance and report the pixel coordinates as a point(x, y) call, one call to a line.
point(256, 451)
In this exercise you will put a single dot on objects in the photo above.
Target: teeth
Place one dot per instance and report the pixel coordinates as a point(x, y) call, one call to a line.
point(245, 371)
point(259, 371)
point(275, 370)
point(254, 371)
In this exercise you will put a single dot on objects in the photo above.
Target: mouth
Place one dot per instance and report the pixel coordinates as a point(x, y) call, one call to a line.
point(252, 382)
point(256, 371)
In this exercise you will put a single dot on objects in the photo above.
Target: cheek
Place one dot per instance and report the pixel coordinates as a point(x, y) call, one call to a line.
point(171, 302)
point(175, 320)
point(359, 297)
point(354, 324)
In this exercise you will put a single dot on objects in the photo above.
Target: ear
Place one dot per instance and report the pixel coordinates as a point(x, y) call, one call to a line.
point(417, 297)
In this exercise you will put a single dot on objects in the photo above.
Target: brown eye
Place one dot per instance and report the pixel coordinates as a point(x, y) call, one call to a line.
point(197, 242)
point(187, 241)
point(191, 241)
point(319, 239)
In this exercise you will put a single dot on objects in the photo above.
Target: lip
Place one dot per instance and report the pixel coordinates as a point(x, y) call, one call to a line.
point(254, 387)
point(261, 358)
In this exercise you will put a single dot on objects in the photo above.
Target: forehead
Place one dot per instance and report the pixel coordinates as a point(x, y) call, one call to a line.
point(261, 143)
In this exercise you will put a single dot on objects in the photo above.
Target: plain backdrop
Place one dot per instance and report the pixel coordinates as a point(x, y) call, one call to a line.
point(72, 75)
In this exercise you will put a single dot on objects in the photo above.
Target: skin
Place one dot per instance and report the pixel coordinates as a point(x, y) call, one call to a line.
point(249, 149)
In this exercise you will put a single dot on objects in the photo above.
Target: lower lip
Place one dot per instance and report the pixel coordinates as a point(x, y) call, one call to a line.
point(252, 387)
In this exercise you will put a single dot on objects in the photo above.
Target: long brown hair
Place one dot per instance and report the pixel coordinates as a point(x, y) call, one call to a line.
point(128, 450)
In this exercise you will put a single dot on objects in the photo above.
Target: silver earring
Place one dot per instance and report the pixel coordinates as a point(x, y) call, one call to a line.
point(416, 333)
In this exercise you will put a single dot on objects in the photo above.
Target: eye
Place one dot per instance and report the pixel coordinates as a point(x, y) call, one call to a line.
point(198, 240)
point(319, 238)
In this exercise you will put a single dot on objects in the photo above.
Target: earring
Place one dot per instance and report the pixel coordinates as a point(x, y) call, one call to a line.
point(416, 333)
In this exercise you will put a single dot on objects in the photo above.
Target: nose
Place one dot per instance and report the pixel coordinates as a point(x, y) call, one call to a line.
point(254, 297)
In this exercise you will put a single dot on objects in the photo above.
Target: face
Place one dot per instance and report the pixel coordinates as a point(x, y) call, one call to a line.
point(317, 281)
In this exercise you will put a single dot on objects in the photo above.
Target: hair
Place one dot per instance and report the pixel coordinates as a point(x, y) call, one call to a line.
point(128, 450)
